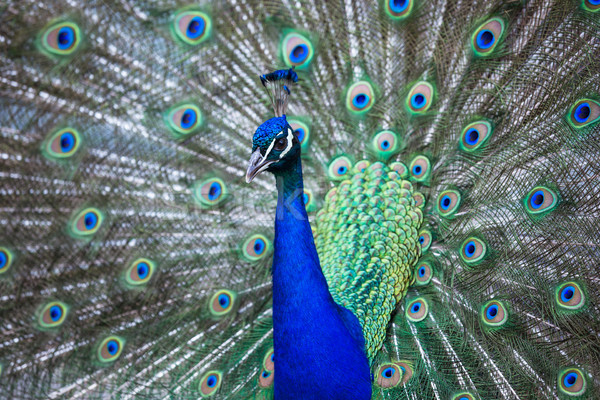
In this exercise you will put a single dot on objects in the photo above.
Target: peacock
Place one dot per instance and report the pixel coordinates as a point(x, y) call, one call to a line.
point(392, 199)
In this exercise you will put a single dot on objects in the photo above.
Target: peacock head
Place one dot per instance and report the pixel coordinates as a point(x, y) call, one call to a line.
point(274, 147)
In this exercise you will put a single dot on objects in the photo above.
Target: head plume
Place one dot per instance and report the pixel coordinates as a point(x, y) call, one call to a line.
point(278, 84)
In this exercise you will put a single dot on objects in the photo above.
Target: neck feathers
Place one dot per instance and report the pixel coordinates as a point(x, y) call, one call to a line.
point(315, 349)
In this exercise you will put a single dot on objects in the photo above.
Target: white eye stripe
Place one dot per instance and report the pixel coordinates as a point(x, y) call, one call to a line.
point(271, 147)
point(290, 137)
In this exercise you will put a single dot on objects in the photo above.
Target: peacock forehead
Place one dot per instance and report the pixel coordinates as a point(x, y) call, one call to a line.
point(267, 131)
point(368, 243)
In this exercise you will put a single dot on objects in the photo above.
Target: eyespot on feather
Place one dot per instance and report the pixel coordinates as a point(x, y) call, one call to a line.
point(591, 5)
point(420, 97)
point(425, 240)
point(385, 144)
point(296, 50)
point(61, 39)
point(420, 169)
point(256, 247)
point(192, 27)
point(222, 302)
point(265, 378)
point(448, 202)
point(360, 97)
point(140, 272)
point(6, 260)
point(485, 39)
point(110, 349)
point(494, 313)
point(475, 135)
point(398, 9)
point(61, 144)
point(269, 360)
point(302, 132)
point(423, 273)
point(540, 200)
point(86, 222)
point(309, 200)
point(417, 309)
point(570, 296)
point(210, 192)
point(52, 315)
point(473, 250)
point(184, 119)
point(339, 168)
point(388, 376)
point(583, 113)
point(572, 382)
point(210, 383)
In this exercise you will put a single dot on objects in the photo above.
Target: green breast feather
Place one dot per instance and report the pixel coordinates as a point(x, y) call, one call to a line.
point(367, 240)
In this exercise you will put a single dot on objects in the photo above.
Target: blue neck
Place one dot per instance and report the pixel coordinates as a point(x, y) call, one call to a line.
point(319, 347)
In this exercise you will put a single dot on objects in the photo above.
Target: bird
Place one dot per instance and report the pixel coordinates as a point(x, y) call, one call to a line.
point(390, 200)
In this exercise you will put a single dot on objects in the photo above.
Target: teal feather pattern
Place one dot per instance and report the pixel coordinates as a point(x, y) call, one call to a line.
point(450, 154)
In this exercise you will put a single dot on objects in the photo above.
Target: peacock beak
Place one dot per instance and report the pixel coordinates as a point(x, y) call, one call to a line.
point(257, 165)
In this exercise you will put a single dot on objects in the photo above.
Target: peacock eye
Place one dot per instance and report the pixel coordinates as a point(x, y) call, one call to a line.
point(110, 349)
point(486, 37)
point(61, 39)
point(494, 313)
point(192, 27)
point(280, 144)
point(572, 382)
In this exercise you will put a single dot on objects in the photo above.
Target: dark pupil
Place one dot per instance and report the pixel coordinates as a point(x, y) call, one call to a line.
point(211, 381)
point(539, 199)
point(446, 202)
point(54, 314)
point(385, 144)
point(493, 311)
point(89, 221)
point(418, 169)
point(569, 293)
point(388, 373)
point(141, 269)
point(298, 51)
point(361, 98)
point(584, 112)
point(281, 144)
point(222, 301)
point(471, 248)
point(193, 26)
point(186, 118)
point(399, 3)
point(265, 374)
point(213, 190)
point(473, 136)
point(422, 271)
point(64, 142)
point(421, 239)
point(416, 308)
point(63, 38)
point(487, 37)
point(571, 379)
point(111, 348)
point(419, 99)
point(257, 247)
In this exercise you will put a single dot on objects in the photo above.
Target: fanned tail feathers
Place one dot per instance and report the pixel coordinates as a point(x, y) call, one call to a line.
point(134, 258)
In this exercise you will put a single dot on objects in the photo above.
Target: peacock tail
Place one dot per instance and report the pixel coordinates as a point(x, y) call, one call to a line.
point(450, 154)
